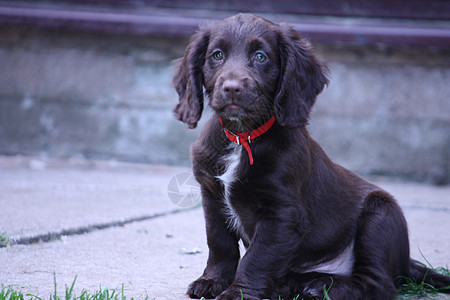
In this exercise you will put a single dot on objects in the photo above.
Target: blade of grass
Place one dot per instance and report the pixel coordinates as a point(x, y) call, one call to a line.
point(326, 290)
point(55, 297)
point(69, 292)
point(4, 241)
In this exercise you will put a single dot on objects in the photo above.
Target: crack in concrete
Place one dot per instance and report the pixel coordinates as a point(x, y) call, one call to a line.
point(53, 236)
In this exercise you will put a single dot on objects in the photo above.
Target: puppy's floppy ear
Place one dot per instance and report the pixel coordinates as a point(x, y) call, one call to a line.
point(188, 80)
point(302, 78)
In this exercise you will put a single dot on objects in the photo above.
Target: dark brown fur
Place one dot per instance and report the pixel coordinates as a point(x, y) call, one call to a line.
point(297, 208)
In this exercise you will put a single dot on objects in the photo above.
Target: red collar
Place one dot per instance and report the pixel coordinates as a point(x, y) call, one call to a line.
point(246, 138)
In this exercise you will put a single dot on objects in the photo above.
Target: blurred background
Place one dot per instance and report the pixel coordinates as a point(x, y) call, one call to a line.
point(90, 79)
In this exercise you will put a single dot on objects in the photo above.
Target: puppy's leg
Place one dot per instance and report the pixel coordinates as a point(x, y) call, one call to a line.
point(223, 253)
point(381, 254)
point(267, 259)
point(382, 246)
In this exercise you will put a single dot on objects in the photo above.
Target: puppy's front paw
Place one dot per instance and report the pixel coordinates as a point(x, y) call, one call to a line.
point(235, 293)
point(206, 287)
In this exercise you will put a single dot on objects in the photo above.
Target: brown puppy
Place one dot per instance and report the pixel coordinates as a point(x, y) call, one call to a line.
point(305, 221)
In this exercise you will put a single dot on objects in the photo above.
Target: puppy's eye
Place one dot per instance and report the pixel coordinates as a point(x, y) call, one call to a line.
point(260, 57)
point(218, 55)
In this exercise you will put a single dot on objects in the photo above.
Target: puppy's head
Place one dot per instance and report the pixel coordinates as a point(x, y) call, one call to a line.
point(250, 69)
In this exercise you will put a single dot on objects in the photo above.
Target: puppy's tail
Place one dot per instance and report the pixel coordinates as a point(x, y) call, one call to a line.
point(422, 274)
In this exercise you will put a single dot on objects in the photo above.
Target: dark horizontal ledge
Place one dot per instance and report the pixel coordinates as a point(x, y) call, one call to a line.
point(182, 23)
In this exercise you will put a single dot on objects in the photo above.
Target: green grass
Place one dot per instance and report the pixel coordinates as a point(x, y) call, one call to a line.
point(409, 290)
point(9, 293)
point(413, 290)
point(4, 241)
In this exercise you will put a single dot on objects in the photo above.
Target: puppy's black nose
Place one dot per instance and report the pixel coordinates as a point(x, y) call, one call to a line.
point(232, 87)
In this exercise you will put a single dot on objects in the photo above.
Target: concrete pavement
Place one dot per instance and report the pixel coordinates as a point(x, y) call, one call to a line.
point(112, 223)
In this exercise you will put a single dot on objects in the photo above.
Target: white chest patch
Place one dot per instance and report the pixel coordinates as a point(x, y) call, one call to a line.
point(340, 265)
point(228, 178)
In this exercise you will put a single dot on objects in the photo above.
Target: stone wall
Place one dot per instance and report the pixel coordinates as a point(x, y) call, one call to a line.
point(94, 96)
point(97, 96)
point(387, 111)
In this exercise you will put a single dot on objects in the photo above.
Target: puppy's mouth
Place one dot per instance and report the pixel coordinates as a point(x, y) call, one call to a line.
point(233, 107)
point(233, 112)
